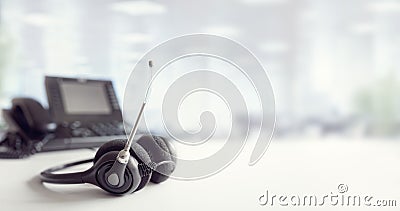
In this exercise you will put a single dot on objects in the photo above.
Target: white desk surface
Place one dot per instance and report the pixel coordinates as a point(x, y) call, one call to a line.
point(289, 167)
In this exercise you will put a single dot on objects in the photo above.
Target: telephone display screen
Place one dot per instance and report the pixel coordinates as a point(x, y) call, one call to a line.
point(85, 98)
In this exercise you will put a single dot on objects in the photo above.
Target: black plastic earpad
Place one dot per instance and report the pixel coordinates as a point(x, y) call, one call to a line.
point(136, 151)
point(159, 150)
point(131, 175)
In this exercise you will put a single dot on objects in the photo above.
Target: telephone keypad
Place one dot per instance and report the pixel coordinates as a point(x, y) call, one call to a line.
point(97, 129)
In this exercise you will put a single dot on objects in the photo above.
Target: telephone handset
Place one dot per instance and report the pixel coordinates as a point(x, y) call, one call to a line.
point(32, 119)
point(29, 125)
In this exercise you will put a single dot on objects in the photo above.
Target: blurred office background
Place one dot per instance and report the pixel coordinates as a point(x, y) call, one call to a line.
point(334, 64)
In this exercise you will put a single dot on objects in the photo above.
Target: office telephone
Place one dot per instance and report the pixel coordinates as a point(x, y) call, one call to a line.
point(82, 113)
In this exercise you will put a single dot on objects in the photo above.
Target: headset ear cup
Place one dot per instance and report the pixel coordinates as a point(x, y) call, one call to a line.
point(136, 152)
point(132, 177)
point(159, 151)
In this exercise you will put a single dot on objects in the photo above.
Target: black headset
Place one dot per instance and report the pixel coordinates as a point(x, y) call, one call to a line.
point(122, 166)
point(152, 158)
